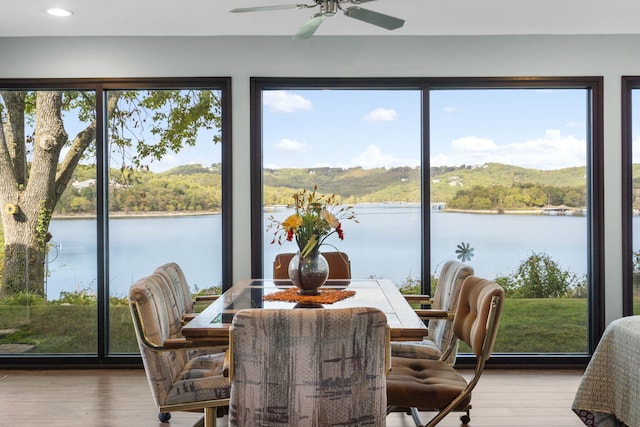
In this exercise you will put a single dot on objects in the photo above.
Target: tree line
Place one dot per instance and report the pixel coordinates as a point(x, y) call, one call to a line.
point(518, 196)
point(195, 188)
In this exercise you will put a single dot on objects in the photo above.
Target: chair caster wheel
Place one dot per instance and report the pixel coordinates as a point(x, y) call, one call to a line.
point(164, 417)
point(465, 419)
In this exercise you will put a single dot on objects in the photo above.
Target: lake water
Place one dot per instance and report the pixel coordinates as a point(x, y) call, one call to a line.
point(385, 243)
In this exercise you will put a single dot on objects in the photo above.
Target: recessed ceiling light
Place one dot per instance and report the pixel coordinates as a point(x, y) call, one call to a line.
point(59, 12)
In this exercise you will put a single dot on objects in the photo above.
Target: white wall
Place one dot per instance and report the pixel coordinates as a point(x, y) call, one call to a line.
point(245, 57)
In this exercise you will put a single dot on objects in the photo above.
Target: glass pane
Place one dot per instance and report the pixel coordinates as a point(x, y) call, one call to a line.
point(635, 198)
point(508, 193)
point(361, 145)
point(48, 297)
point(164, 194)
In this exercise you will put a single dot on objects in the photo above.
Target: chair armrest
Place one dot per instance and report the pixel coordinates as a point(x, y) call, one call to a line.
point(418, 299)
point(434, 314)
point(188, 317)
point(185, 344)
point(176, 344)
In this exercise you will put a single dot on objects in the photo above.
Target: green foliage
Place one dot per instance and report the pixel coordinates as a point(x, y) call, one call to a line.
point(211, 290)
point(116, 301)
point(539, 276)
point(174, 118)
point(517, 196)
point(413, 286)
point(514, 186)
point(194, 188)
point(42, 227)
point(188, 188)
point(81, 297)
point(22, 298)
point(410, 286)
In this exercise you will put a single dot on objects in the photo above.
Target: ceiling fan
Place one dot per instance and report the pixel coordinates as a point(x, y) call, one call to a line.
point(330, 8)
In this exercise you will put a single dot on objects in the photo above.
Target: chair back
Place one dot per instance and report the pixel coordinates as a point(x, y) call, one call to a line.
point(181, 290)
point(477, 316)
point(308, 367)
point(446, 296)
point(339, 265)
point(154, 313)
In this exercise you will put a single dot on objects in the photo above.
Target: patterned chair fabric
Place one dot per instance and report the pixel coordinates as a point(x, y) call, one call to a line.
point(434, 385)
point(174, 377)
point(175, 277)
point(440, 335)
point(308, 367)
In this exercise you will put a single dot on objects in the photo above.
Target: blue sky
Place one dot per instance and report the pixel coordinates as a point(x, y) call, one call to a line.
point(533, 128)
point(542, 129)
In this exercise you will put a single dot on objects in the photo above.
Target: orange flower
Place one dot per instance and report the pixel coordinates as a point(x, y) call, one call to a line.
point(292, 223)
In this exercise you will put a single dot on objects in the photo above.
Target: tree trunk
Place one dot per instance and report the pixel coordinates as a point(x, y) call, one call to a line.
point(24, 255)
point(27, 208)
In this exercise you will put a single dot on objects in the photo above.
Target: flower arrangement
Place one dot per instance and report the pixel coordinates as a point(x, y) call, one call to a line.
point(316, 217)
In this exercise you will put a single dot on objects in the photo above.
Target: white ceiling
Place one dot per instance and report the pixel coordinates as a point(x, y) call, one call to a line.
point(23, 18)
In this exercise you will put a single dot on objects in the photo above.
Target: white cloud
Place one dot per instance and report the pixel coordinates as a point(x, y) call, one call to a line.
point(290, 146)
point(452, 109)
point(285, 102)
point(373, 157)
point(550, 151)
point(473, 144)
point(381, 115)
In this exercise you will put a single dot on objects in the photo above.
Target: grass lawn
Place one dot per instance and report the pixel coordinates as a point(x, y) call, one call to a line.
point(527, 326)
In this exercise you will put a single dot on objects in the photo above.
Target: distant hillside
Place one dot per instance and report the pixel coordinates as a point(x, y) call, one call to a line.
point(194, 188)
point(354, 185)
point(447, 181)
point(403, 184)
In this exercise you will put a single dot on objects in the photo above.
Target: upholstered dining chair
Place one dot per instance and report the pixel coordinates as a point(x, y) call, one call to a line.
point(175, 277)
point(308, 367)
point(178, 381)
point(440, 342)
point(415, 385)
point(339, 265)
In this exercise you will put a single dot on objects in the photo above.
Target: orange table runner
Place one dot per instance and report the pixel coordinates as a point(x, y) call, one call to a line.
point(327, 296)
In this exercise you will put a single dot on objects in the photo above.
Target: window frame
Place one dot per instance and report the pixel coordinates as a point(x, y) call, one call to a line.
point(628, 83)
point(595, 181)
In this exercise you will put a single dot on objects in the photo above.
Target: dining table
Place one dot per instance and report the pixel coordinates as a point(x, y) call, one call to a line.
point(609, 392)
point(211, 325)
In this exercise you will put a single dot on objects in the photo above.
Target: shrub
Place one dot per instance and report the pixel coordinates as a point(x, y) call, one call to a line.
point(82, 297)
point(23, 298)
point(539, 276)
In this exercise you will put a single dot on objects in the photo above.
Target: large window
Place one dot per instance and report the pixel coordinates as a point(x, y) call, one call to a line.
point(49, 271)
point(513, 188)
point(363, 145)
point(119, 178)
point(631, 194)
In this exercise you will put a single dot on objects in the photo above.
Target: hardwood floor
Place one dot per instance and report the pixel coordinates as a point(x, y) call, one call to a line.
point(114, 398)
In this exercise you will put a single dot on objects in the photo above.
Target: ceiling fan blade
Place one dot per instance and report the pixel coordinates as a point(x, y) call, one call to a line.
point(375, 18)
point(263, 8)
point(309, 27)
